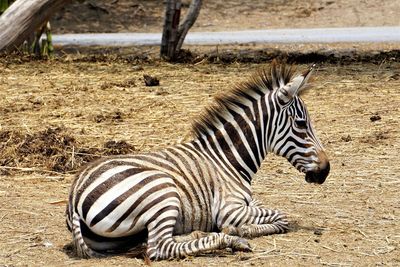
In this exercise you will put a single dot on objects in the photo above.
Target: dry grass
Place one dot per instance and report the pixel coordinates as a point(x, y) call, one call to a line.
point(52, 150)
point(350, 220)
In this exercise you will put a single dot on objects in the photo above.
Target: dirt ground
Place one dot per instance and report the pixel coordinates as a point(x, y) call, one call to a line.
point(73, 105)
point(55, 115)
point(216, 15)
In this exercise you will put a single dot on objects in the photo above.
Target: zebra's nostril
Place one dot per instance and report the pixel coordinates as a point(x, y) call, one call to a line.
point(319, 176)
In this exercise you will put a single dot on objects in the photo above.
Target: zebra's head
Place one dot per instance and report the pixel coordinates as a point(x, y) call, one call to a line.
point(295, 138)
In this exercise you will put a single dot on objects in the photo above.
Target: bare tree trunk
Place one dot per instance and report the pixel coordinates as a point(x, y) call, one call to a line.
point(22, 18)
point(170, 30)
point(173, 33)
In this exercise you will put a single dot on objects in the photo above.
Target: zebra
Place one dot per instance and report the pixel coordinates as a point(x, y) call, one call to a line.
point(196, 197)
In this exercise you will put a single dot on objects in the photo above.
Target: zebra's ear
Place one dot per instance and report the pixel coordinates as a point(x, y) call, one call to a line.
point(296, 85)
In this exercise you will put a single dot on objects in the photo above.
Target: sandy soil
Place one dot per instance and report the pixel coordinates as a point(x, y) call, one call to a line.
point(217, 15)
point(350, 220)
point(57, 114)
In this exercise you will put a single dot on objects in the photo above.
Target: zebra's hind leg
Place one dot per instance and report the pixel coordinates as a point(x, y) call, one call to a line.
point(192, 236)
point(81, 248)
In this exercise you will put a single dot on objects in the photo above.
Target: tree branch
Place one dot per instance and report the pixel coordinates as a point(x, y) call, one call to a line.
point(190, 19)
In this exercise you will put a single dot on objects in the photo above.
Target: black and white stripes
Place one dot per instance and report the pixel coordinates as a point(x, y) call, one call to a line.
point(181, 196)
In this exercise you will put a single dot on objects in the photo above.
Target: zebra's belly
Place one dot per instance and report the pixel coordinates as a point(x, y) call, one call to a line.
point(187, 221)
point(113, 226)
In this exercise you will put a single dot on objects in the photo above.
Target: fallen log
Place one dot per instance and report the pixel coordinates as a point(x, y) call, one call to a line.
point(22, 18)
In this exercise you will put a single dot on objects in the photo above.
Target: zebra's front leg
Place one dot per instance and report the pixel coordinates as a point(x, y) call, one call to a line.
point(162, 245)
point(255, 221)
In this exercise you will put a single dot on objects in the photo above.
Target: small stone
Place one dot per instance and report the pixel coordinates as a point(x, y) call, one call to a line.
point(151, 81)
point(375, 117)
point(346, 138)
point(47, 244)
point(318, 232)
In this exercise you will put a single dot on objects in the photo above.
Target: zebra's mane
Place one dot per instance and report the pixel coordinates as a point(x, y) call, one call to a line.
point(264, 80)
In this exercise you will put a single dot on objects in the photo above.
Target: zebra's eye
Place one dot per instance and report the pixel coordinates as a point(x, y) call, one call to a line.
point(300, 123)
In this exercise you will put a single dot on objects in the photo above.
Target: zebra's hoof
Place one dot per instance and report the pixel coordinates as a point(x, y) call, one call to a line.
point(241, 244)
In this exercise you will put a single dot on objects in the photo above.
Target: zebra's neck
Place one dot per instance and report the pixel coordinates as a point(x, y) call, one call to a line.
point(238, 143)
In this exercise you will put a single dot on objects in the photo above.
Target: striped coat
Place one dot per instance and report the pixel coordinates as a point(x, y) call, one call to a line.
point(196, 197)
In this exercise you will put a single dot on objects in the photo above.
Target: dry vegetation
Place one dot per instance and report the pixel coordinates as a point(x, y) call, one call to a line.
point(55, 115)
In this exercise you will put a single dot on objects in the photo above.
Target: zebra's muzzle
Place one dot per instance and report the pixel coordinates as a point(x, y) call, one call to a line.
point(318, 177)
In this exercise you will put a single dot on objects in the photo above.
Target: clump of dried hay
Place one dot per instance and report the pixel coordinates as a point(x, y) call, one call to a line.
point(52, 149)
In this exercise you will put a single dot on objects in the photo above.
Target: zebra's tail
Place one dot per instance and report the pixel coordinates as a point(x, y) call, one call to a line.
point(81, 248)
